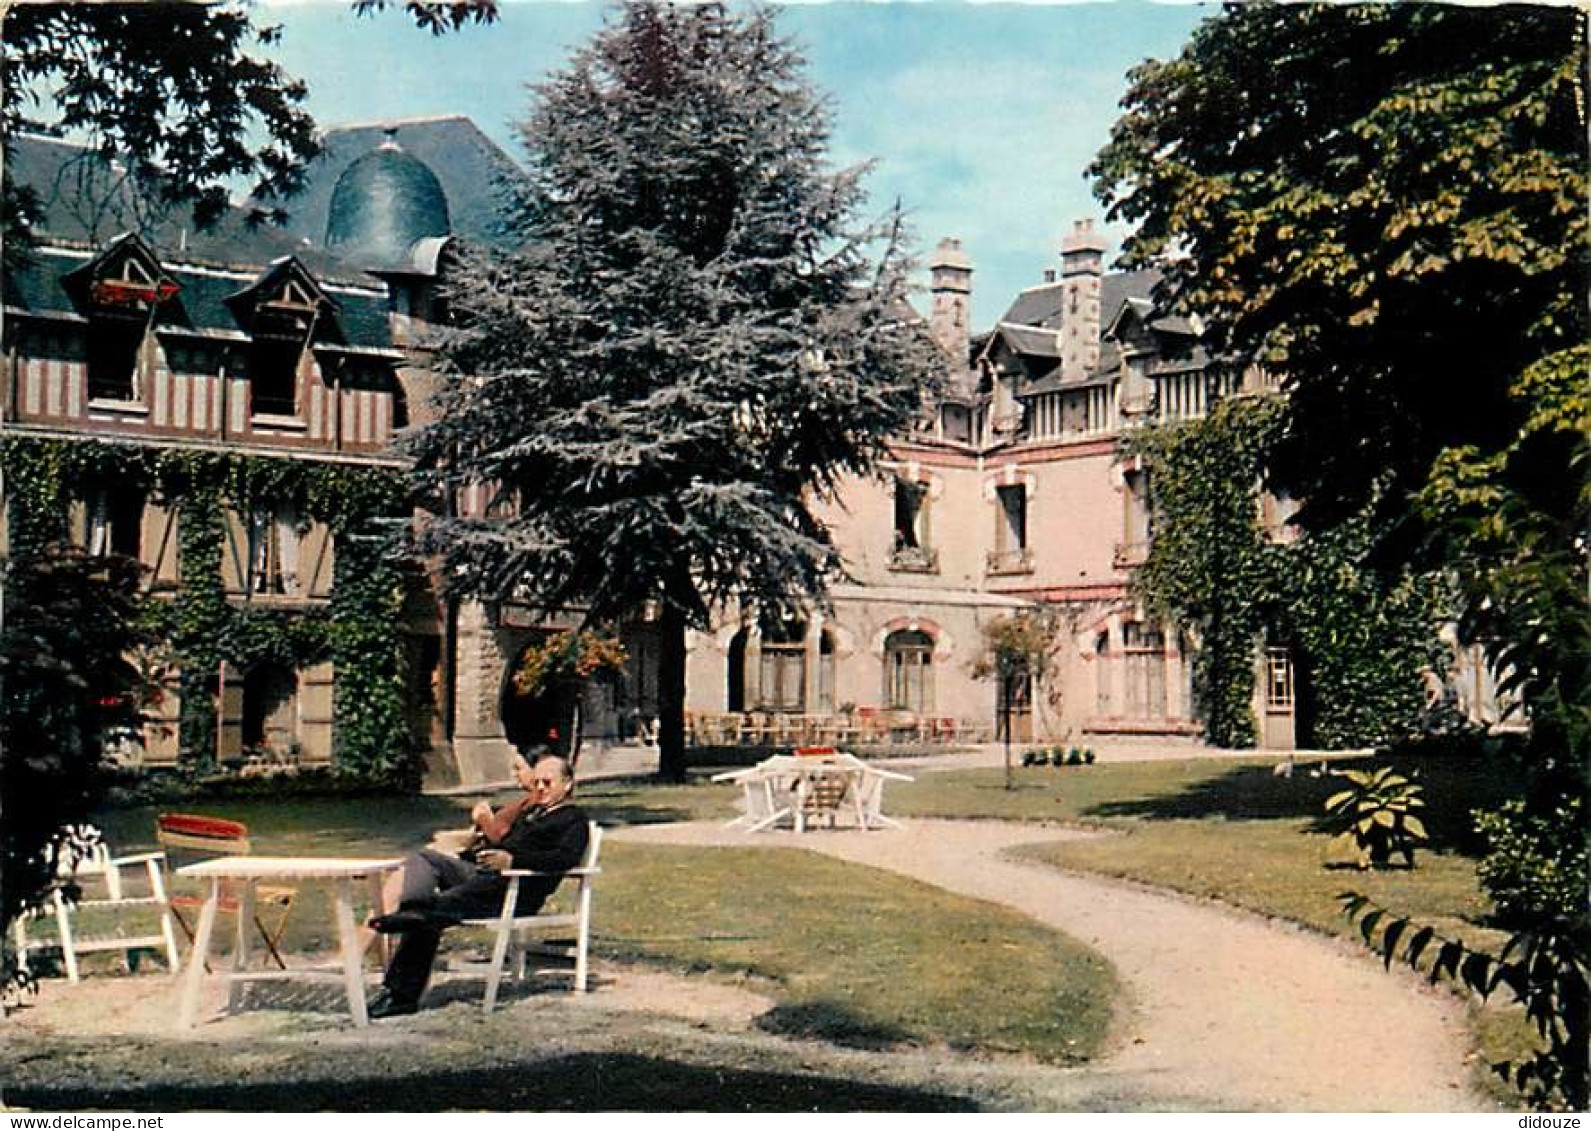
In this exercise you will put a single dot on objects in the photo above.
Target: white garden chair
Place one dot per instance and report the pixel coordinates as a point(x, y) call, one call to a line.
point(514, 935)
point(107, 897)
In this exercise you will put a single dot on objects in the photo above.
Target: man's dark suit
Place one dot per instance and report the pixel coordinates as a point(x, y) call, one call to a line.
point(540, 841)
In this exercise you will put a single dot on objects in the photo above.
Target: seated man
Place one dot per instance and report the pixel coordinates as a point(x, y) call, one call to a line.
point(543, 832)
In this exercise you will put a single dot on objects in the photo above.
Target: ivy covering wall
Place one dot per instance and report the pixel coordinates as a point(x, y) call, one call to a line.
point(1362, 642)
point(359, 631)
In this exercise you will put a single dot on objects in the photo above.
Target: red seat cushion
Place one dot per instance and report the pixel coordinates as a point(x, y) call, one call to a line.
point(192, 825)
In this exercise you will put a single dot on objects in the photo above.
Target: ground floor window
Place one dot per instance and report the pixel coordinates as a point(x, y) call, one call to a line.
point(1144, 649)
point(777, 679)
point(909, 672)
point(270, 711)
point(826, 673)
point(1278, 680)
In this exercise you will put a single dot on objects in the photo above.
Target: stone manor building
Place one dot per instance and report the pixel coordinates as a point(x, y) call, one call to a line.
point(308, 345)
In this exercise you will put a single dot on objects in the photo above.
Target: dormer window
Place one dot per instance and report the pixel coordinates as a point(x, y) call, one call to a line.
point(273, 375)
point(285, 313)
point(120, 293)
point(115, 347)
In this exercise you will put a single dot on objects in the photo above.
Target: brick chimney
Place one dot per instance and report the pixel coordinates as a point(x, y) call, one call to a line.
point(950, 284)
point(1082, 268)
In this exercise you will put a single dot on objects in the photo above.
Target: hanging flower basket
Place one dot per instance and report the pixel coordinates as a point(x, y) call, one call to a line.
point(566, 657)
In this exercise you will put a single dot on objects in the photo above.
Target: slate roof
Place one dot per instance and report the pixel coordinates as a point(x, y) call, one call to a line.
point(85, 205)
point(1029, 325)
point(201, 306)
point(1036, 306)
point(85, 201)
point(467, 163)
point(1042, 305)
point(384, 203)
point(1031, 340)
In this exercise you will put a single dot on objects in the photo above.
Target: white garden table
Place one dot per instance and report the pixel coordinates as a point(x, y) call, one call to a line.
point(786, 785)
point(244, 872)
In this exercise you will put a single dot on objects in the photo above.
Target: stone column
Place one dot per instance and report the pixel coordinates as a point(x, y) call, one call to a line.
point(480, 747)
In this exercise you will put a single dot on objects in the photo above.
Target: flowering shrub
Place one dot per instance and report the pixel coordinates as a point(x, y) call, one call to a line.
point(567, 656)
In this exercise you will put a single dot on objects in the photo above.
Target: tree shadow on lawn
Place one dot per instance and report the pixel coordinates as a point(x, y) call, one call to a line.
point(833, 1023)
point(581, 1082)
point(612, 813)
point(1453, 787)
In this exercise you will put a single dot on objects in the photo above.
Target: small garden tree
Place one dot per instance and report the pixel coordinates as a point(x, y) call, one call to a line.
point(70, 622)
point(567, 660)
point(1016, 648)
point(694, 339)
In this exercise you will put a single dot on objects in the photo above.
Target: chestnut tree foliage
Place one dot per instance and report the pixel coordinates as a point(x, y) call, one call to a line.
point(1387, 204)
point(695, 339)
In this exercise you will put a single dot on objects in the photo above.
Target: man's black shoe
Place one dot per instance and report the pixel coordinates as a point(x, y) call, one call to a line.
point(385, 1005)
point(402, 920)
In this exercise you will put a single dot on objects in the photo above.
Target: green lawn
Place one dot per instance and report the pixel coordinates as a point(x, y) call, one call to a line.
point(851, 954)
point(1233, 830)
point(860, 956)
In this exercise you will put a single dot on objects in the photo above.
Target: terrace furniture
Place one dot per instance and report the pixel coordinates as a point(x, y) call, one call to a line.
point(241, 875)
point(512, 932)
point(763, 805)
point(188, 838)
point(815, 785)
point(718, 729)
point(100, 868)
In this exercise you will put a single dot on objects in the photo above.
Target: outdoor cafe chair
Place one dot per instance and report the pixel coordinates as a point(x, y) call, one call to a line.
point(191, 837)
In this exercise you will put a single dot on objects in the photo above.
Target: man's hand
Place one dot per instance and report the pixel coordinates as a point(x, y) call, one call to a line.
point(497, 859)
point(481, 813)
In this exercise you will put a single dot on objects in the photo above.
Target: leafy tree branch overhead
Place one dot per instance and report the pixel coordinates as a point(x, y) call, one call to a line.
point(1386, 203)
point(183, 96)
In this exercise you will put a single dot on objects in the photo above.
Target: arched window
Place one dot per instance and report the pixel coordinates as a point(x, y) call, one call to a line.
point(784, 665)
point(735, 694)
point(908, 671)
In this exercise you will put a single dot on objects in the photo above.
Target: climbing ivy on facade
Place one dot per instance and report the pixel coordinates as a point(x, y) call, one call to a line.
point(1363, 642)
point(359, 631)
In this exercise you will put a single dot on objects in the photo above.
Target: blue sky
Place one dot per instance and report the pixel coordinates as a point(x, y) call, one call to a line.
point(981, 117)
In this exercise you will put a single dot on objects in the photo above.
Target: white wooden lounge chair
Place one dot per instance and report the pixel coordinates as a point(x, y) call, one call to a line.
point(107, 895)
point(513, 935)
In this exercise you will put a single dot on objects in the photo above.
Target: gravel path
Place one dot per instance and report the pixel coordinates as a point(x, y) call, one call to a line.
point(1226, 1010)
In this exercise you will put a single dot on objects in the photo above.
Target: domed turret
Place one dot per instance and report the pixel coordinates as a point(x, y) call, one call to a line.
point(383, 203)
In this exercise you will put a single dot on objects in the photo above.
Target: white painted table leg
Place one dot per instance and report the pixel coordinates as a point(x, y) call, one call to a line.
point(353, 961)
point(194, 981)
point(240, 950)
